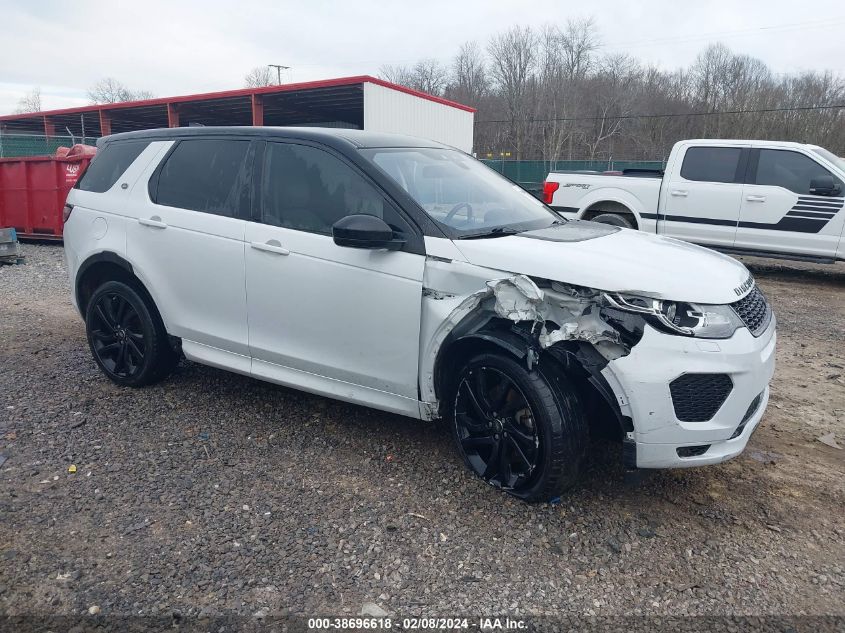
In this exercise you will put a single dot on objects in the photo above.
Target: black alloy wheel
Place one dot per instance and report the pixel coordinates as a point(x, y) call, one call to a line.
point(126, 335)
point(496, 428)
point(521, 430)
point(117, 335)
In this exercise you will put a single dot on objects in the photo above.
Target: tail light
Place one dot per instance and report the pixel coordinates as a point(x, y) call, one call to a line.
point(66, 213)
point(549, 189)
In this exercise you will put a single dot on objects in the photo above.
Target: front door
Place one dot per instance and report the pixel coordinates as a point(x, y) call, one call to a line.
point(335, 320)
point(782, 212)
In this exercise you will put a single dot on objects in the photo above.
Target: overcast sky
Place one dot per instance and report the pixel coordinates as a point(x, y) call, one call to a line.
point(172, 48)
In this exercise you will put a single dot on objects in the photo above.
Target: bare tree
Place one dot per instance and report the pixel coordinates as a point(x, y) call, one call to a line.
point(430, 76)
point(513, 60)
point(469, 75)
point(579, 40)
point(259, 77)
point(427, 75)
point(613, 90)
point(30, 102)
point(552, 94)
point(567, 55)
point(110, 90)
point(397, 74)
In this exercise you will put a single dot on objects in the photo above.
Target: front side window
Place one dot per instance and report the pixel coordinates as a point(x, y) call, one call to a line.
point(308, 189)
point(790, 170)
point(207, 175)
point(711, 164)
point(109, 164)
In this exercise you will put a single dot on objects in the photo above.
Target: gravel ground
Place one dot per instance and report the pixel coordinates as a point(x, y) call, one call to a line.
point(213, 493)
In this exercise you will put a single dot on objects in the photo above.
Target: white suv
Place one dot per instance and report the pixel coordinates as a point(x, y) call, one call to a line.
point(404, 275)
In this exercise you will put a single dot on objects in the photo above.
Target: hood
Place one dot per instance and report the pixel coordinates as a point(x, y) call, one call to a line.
point(623, 260)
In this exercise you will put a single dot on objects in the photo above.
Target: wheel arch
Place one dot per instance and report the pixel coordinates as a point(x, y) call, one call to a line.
point(618, 201)
point(578, 361)
point(107, 266)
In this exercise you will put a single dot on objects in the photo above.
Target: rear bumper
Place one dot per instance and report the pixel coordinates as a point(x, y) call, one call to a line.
point(641, 383)
point(72, 261)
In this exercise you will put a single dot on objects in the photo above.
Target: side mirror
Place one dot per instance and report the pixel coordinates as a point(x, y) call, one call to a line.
point(365, 231)
point(823, 185)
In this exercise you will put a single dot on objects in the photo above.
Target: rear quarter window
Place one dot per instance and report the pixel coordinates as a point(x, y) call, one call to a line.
point(711, 164)
point(109, 164)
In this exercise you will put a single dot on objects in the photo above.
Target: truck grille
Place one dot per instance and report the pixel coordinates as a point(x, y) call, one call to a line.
point(697, 397)
point(754, 310)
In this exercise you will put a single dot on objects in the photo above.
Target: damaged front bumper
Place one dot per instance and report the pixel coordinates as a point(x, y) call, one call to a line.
point(634, 366)
point(641, 381)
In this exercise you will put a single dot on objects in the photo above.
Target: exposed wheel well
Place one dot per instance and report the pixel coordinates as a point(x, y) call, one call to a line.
point(602, 418)
point(609, 206)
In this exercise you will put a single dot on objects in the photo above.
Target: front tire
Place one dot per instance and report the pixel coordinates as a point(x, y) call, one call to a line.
point(126, 336)
point(521, 431)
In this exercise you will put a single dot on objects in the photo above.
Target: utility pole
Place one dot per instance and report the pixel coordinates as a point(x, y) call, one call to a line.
point(279, 68)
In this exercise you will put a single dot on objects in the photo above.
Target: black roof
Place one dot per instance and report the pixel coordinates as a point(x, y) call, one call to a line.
point(336, 137)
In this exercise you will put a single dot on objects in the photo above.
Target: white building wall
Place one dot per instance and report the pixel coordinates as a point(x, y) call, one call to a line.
point(396, 112)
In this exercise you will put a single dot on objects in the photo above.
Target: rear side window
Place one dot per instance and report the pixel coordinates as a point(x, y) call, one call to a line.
point(790, 170)
point(109, 164)
point(711, 164)
point(208, 175)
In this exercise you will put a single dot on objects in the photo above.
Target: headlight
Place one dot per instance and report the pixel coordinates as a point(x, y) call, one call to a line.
point(680, 317)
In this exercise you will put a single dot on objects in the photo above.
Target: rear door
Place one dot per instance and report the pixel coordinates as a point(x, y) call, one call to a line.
point(336, 320)
point(700, 202)
point(187, 245)
point(782, 213)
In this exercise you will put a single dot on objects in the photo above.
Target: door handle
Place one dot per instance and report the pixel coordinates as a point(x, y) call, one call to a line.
point(272, 246)
point(680, 193)
point(154, 222)
point(755, 198)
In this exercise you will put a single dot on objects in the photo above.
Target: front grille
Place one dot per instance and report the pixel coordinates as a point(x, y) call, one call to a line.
point(697, 397)
point(754, 310)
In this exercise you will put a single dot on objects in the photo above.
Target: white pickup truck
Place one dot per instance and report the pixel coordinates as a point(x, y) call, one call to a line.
point(765, 198)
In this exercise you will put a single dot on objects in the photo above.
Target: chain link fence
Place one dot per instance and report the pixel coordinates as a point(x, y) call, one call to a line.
point(12, 145)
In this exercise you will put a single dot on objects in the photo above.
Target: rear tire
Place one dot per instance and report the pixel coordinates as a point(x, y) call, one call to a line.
point(614, 219)
point(521, 431)
point(127, 337)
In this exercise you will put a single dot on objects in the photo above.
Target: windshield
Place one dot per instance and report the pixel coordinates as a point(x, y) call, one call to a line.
point(462, 194)
point(830, 157)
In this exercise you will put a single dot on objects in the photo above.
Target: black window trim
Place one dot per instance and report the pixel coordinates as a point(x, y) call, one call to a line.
point(243, 213)
point(416, 242)
point(742, 165)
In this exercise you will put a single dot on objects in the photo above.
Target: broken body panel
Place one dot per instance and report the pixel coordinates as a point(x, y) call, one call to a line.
point(565, 301)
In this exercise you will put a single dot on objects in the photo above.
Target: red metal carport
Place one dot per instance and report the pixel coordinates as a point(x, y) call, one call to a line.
point(331, 102)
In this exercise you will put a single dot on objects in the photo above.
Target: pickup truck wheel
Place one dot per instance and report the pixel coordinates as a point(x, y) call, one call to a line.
point(127, 337)
point(519, 430)
point(614, 219)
